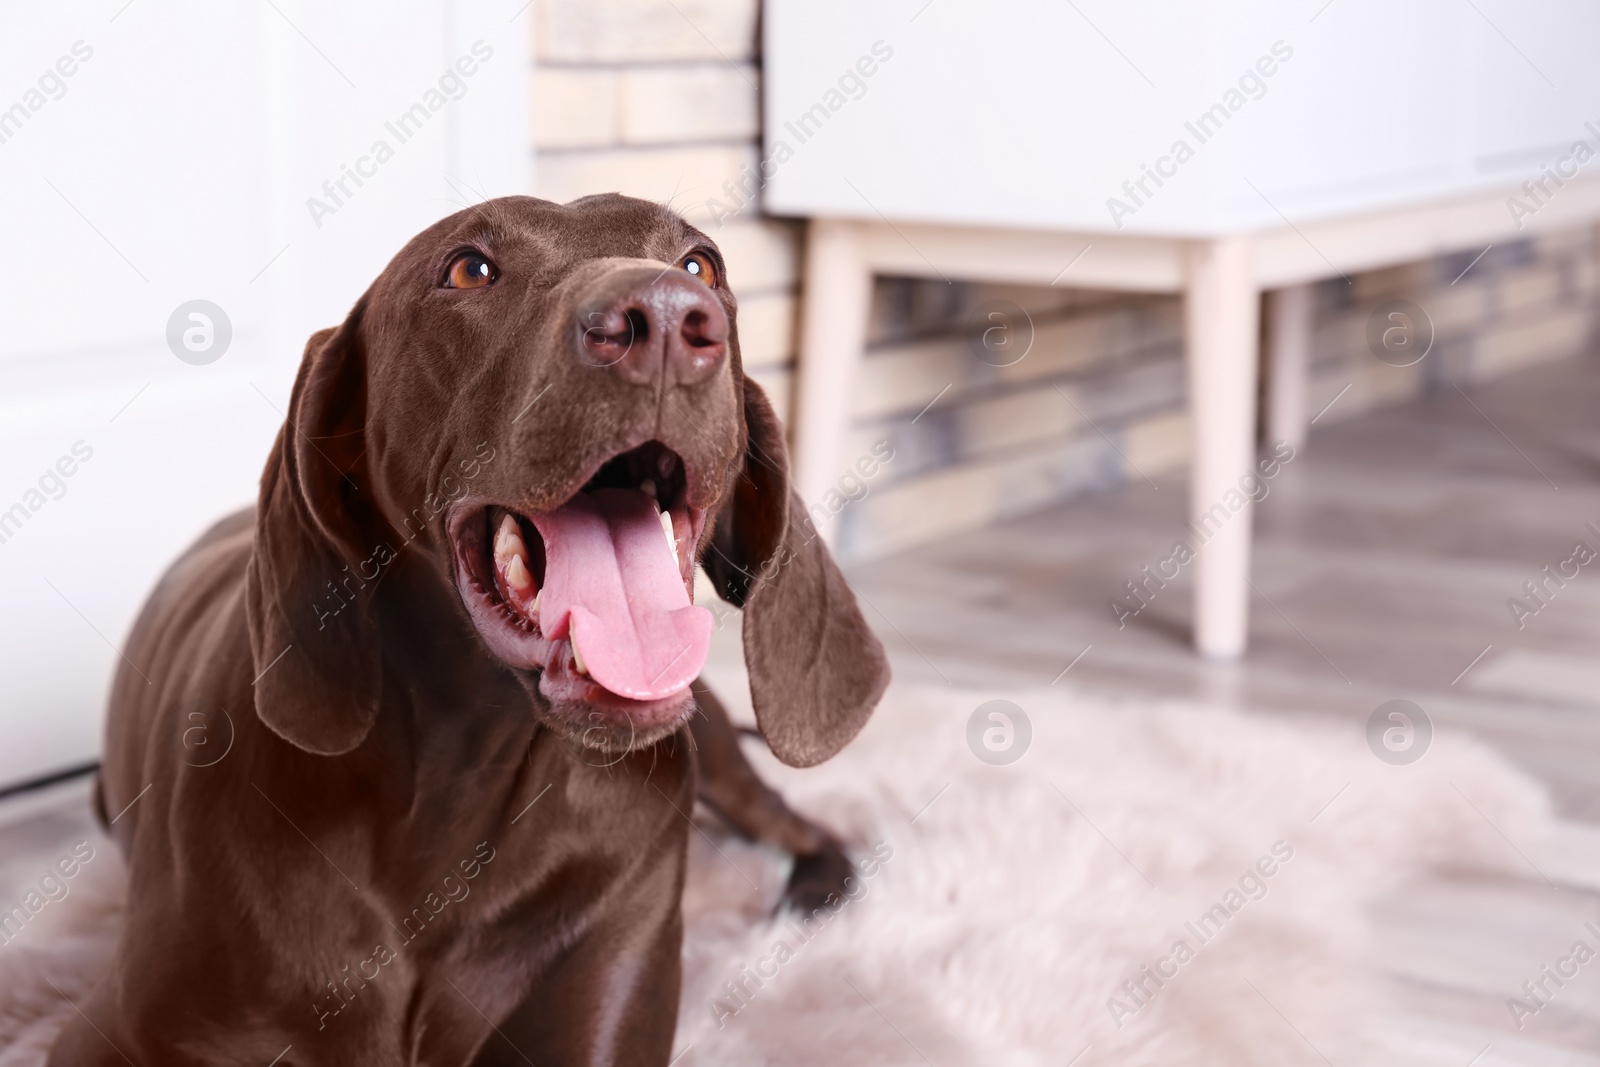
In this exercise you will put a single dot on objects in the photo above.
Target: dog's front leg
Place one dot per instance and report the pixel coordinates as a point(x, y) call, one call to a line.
point(610, 1001)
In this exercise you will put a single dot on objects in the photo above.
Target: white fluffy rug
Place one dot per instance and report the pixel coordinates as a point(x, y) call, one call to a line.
point(1010, 913)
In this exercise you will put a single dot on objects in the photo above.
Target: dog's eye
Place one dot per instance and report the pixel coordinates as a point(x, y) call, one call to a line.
point(469, 270)
point(702, 266)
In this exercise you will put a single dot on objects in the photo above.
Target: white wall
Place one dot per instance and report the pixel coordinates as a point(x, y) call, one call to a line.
point(176, 163)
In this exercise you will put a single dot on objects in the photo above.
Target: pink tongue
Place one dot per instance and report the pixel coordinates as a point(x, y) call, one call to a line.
point(612, 587)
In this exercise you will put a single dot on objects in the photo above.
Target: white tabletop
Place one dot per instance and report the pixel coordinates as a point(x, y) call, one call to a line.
point(1034, 113)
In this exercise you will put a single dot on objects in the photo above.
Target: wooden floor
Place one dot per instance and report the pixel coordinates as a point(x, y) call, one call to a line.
point(1385, 554)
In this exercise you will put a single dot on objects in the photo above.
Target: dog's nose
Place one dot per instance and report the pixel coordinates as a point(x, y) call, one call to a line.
point(647, 324)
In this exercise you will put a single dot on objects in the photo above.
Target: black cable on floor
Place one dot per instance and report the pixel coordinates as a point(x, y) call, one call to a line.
point(50, 779)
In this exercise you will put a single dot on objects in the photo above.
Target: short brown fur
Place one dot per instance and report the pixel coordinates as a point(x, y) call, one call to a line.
point(379, 753)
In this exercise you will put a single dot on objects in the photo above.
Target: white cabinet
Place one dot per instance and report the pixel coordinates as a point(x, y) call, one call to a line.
point(1035, 113)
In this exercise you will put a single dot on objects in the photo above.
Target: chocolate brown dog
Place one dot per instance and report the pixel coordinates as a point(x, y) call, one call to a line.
point(446, 672)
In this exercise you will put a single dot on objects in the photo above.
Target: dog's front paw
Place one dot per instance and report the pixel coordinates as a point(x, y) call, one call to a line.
point(817, 876)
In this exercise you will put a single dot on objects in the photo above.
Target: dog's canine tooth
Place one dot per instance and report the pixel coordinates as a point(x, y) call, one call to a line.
point(666, 528)
point(577, 659)
point(508, 540)
point(534, 607)
point(517, 576)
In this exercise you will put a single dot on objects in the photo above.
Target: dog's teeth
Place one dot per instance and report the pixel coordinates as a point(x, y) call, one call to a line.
point(511, 554)
point(536, 598)
point(517, 576)
point(508, 541)
point(666, 528)
point(577, 659)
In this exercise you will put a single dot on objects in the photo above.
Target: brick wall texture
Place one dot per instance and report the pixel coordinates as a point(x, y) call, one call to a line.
point(660, 100)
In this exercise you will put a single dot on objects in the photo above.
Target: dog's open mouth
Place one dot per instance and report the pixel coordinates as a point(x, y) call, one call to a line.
point(597, 593)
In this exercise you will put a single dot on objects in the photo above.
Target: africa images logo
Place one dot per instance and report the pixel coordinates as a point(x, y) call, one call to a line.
point(199, 332)
point(999, 732)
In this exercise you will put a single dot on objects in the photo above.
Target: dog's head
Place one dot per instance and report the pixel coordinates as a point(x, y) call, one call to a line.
point(547, 403)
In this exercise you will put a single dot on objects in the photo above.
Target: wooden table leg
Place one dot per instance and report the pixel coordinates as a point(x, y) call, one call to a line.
point(1288, 364)
point(1221, 320)
point(833, 334)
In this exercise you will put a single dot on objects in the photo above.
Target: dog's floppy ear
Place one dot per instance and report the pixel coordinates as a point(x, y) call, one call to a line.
point(816, 670)
point(311, 632)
